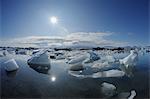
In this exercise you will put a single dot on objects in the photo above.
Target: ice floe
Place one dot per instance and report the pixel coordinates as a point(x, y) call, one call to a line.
point(41, 58)
point(40, 62)
point(11, 65)
point(130, 60)
point(101, 74)
point(108, 89)
point(133, 94)
point(101, 65)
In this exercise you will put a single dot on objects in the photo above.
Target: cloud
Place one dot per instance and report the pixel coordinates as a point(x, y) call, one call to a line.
point(78, 39)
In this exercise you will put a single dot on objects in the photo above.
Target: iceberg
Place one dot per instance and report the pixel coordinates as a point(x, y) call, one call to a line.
point(101, 65)
point(41, 58)
point(133, 94)
point(103, 74)
point(6, 53)
point(108, 89)
point(110, 59)
point(77, 66)
point(130, 60)
point(1, 54)
point(78, 59)
point(11, 65)
point(109, 73)
point(40, 62)
point(92, 57)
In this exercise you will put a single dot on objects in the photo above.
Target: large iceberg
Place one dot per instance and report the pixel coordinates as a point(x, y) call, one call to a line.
point(11, 65)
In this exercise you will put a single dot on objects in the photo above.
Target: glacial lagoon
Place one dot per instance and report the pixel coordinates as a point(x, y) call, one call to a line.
point(56, 82)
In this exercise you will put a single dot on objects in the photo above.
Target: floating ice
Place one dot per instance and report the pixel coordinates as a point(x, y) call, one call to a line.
point(108, 89)
point(6, 53)
point(101, 65)
point(78, 59)
point(103, 74)
point(130, 60)
point(110, 59)
point(1, 54)
point(22, 52)
point(58, 57)
point(11, 65)
point(109, 73)
point(133, 94)
point(40, 59)
point(77, 66)
point(92, 57)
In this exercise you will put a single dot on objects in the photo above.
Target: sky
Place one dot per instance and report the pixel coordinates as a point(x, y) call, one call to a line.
point(124, 21)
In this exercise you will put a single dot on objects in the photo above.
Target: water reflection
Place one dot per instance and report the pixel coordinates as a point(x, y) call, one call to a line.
point(128, 71)
point(41, 69)
point(53, 78)
point(11, 73)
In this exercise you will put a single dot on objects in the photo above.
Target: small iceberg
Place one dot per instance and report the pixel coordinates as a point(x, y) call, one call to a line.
point(41, 58)
point(130, 60)
point(40, 62)
point(110, 59)
point(109, 73)
point(92, 57)
point(11, 65)
point(101, 65)
point(76, 64)
point(6, 53)
point(108, 89)
point(77, 59)
point(127, 95)
point(1, 54)
point(92, 74)
point(133, 94)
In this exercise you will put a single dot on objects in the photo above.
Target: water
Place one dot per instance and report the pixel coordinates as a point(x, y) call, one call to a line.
point(28, 83)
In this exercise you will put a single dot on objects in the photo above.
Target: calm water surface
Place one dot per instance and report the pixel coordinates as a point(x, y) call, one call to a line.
point(28, 83)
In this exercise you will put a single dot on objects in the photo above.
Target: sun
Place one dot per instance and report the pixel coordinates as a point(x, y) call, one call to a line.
point(53, 20)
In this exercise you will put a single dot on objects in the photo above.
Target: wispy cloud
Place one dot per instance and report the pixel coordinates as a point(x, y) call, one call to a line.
point(78, 39)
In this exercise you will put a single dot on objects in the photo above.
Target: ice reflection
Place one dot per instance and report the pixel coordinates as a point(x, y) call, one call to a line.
point(11, 73)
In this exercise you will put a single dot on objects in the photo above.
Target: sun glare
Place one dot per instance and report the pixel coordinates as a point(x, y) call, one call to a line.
point(53, 20)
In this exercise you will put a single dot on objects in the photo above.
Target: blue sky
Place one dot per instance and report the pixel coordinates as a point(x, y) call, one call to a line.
point(127, 20)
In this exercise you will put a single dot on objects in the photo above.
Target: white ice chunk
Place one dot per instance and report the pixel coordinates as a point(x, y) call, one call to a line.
point(78, 59)
point(1, 54)
point(101, 65)
point(133, 94)
point(109, 73)
point(110, 58)
point(91, 57)
point(6, 53)
point(108, 89)
point(130, 60)
point(77, 66)
point(40, 59)
point(11, 65)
